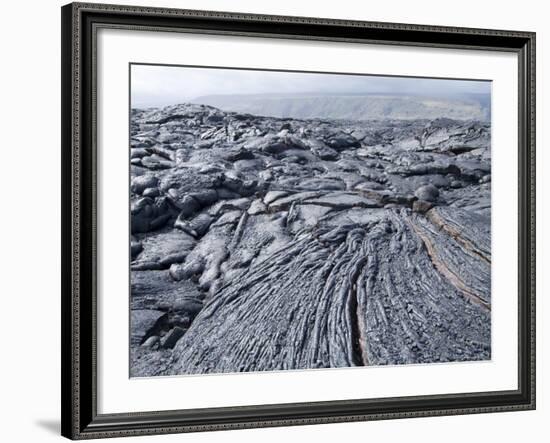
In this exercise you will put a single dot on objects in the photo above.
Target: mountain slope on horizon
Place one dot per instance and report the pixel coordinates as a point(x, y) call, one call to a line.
point(355, 106)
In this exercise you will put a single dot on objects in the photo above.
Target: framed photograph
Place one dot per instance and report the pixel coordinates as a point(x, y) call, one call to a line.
point(274, 221)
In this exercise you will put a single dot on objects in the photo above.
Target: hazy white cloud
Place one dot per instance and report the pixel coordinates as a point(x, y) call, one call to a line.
point(153, 85)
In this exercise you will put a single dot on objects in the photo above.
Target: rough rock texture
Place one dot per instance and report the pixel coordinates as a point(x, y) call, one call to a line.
point(261, 243)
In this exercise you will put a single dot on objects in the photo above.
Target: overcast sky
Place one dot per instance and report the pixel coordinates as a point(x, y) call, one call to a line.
point(155, 86)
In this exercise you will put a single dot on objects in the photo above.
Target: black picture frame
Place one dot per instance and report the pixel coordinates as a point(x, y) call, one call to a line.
point(79, 171)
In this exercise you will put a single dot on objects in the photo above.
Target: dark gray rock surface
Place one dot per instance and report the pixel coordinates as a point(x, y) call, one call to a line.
point(261, 243)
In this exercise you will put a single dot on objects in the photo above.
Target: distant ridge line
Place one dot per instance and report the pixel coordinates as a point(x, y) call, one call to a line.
point(355, 106)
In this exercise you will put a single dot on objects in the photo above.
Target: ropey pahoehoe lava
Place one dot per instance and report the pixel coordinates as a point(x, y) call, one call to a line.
point(263, 243)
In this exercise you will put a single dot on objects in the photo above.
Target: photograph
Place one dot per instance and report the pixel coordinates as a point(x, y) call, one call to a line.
point(293, 220)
